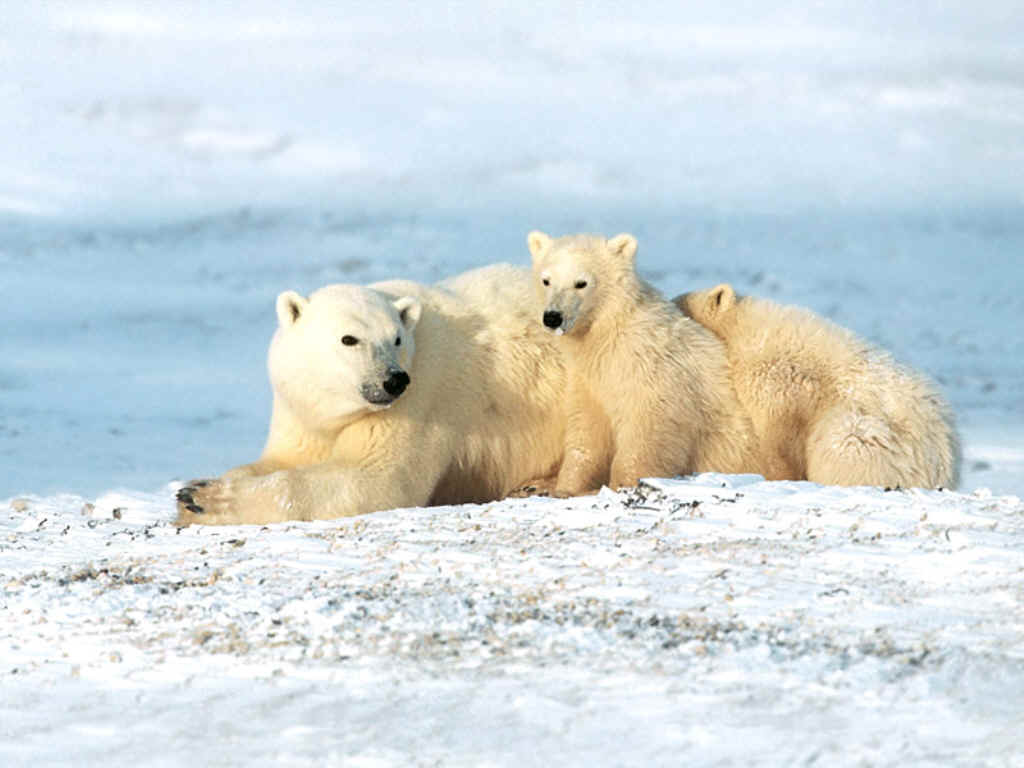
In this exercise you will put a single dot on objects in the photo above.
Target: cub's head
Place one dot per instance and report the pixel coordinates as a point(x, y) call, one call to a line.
point(713, 308)
point(573, 273)
point(343, 351)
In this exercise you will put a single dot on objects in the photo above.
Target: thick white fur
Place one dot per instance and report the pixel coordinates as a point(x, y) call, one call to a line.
point(648, 389)
point(827, 406)
point(482, 415)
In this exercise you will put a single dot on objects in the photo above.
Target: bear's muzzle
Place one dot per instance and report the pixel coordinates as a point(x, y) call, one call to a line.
point(388, 390)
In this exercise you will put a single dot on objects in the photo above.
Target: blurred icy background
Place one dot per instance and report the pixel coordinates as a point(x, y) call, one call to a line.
point(167, 169)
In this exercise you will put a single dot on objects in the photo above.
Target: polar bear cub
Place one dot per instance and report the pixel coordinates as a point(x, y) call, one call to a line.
point(648, 389)
point(827, 406)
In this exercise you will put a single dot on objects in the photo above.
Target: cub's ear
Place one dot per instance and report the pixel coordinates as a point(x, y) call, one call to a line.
point(623, 247)
point(538, 242)
point(409, 309)
point(720, 298)
point(290, 307)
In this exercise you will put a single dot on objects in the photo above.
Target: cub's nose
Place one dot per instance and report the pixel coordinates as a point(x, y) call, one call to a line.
point(552, 319)
point(396, 383)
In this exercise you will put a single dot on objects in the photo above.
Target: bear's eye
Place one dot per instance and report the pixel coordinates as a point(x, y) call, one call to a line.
point(581, 284)
point(546, 281)
point(398, 341)
point(349, 341)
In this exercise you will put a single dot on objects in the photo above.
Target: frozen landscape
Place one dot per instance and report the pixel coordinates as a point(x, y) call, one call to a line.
point(166, 171)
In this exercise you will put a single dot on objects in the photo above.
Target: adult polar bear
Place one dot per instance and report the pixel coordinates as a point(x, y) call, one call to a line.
point(398, 395)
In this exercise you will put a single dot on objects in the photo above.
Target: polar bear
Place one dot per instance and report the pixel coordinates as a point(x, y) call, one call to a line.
point(827, 406)
point(398, 395)
point(648, 389)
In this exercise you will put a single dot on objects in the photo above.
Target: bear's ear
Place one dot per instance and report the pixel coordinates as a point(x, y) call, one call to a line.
point(623, 247)
point(720, 298)
point(409, 310)
point(538, 242)
point(290, 307)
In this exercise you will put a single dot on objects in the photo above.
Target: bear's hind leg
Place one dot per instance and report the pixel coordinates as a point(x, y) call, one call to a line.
point(850, 447)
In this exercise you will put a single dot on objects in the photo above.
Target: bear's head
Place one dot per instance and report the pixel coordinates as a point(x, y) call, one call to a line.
point(573, 273)
point(343, 351)
point(713, 308)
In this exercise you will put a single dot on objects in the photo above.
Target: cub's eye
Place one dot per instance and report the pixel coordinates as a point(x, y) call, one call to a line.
point(349, 341)
point(581, 284)
point(546, 281)
point(398, 341)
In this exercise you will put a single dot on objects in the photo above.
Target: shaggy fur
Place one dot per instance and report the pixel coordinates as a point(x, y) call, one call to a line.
point(827, 406)
point(648, 389)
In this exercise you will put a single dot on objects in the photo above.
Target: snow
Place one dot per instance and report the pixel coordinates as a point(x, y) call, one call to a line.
point(167, 169)
point(713, 620)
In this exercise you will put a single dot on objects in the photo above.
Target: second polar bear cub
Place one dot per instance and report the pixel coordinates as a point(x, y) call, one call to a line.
point(827, 406)
point(648, 388)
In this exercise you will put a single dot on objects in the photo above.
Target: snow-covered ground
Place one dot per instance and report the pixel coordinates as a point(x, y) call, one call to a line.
point(167, 169)
point(717, 621)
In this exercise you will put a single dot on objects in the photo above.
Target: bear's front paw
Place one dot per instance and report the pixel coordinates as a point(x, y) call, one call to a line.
point(202, 501)
point(186, 497)
point(542, 486)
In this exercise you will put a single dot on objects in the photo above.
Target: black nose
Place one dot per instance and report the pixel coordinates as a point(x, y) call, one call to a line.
point(552, 319)
point(396, 383)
